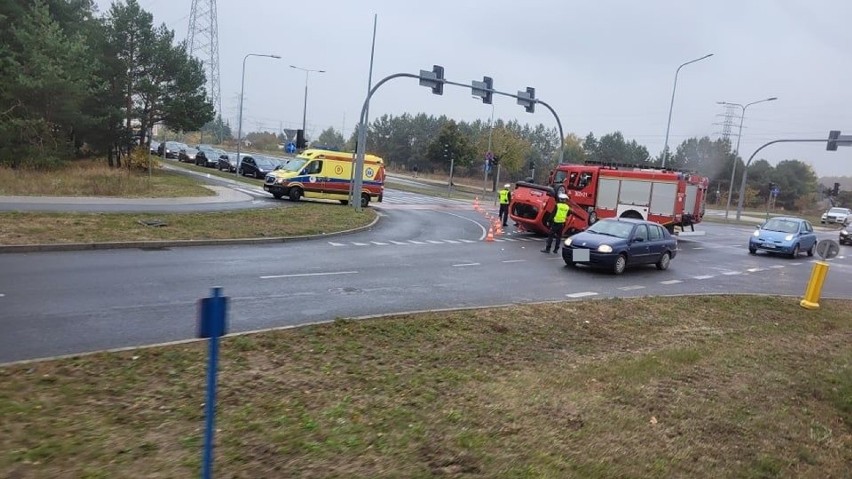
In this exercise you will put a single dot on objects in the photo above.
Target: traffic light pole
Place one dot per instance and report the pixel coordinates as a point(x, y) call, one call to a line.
point(358, 183)
point(745, 169)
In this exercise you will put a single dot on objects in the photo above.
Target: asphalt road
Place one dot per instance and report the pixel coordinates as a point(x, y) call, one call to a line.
point(425, 253)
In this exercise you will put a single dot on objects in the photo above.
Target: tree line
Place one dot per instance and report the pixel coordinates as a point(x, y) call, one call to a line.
point(74, 82)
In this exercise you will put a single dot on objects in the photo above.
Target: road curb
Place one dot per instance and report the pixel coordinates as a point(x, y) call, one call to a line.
point(38, 248)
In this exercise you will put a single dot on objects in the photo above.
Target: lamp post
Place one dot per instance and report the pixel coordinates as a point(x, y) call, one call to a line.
point(305, 109)
point(671, 106)
point(242, 89)
point(737, 151)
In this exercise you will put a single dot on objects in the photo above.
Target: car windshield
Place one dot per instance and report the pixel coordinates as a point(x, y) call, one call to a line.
point(175, 145)
point(842, 211)
point(264, 163)
point(612, 228)
point(294, 165)
point(782, 225)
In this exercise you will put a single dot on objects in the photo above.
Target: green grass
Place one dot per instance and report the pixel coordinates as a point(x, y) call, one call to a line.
point(284, 220)
point(729, 386)
point(95, 178)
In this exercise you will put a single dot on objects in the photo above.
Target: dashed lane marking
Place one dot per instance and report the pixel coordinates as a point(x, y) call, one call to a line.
point(795, 264)
point(631, 288)
point(704, 276)
point(378, 243)
point(584, 294)
point(451, 241)
point(461, 265)
point(415, 242)
point(732, 273)
point(777, 266)
point(467, 241)
point(671, 281)
point(513, 260)
point(302, 275)
point(398, 242)
point(435, 242)
point(697, 247)
point(360, 244)
point(755, 270)
point(336, 244)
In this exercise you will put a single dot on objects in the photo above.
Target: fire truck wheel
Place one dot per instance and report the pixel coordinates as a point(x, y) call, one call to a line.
point(663, 263)
point(620, 264)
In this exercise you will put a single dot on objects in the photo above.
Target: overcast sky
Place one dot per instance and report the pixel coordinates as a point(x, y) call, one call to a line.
point(602, 65)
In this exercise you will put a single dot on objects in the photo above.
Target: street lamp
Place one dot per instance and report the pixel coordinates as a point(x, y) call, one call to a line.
point(737, 151)
point(242, 89)
point(671, 106)
point(305, 109)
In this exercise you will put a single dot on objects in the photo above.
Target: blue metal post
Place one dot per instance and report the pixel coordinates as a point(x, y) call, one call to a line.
point(211, 325)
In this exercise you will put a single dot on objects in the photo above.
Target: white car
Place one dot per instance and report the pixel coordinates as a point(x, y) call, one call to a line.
point(837, 215)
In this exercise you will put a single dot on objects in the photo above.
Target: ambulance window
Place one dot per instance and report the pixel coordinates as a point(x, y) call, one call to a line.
point(313, 168)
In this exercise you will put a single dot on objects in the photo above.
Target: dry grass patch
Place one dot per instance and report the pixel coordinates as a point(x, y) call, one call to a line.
point(686, 387)
point(96, 178)
point(284, 220)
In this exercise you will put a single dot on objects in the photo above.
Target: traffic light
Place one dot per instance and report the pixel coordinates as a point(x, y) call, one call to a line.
point(489, 86)
point(836, 189)
point(300, 140)
point(832, 140)
point(495, 161)
point(527, 99)
point(433, 79)
point(771, 187)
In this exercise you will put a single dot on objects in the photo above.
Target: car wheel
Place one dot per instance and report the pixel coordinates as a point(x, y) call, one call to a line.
point(795, 252)
point(257, 175)
point(620, 264)
point(241, 172)
point(277, 196)
point(663, 263)
point(365, 200)
point(344, 202)
point(752, 250)
point(812, 249)
point(295, 194)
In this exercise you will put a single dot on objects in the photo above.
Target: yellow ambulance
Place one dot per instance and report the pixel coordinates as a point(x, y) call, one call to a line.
point(326, 174)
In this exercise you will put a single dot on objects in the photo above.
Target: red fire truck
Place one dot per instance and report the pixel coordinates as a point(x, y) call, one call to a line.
point(670, 198)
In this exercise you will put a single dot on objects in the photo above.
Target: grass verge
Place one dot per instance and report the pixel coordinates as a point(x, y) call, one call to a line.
point(95, 178)
point(285, 220)
point(683, 387)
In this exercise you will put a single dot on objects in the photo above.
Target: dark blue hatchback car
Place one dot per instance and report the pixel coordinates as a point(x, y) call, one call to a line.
point(616, 243)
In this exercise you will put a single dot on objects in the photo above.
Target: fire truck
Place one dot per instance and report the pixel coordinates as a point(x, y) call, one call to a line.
point(595, 191)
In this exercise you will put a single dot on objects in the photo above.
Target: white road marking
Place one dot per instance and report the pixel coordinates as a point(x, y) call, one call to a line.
point(466, 264)
point(755, 270)
point(451, 241)
point(467, 241)
point(435, 242)
point(705, 276)
point(415, 242)
point(336, 244)
point(795, 264)
point(732, 273)
point(671, 281)
point(301, 275)
point(514, 261)
point(2, 295)
point(484, 231)
point(377, 243)
point(777, 266)
point(697, 247)
point(581, 295)
point(397, 242)
point(631, 288)
point(360, 244)
point(509, 239)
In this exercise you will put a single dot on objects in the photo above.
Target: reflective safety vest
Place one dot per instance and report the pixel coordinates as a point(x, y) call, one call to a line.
point(504, 196)
point(561, 213)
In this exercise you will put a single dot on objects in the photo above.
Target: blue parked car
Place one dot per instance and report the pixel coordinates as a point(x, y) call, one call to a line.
point(784, 235)
point(618, 242)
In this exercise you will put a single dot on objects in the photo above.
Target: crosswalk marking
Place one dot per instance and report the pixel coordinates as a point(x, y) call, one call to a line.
point(704, 276)
point(671, 281)
point(584, 294)
point(631, 288)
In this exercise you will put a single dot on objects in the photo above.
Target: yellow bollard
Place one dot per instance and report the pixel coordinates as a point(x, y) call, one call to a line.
point(814, 288)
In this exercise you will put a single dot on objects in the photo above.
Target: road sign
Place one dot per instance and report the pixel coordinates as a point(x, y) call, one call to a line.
point(775, 191)
point(290, 148)
point(827, 249)
point(489, 155)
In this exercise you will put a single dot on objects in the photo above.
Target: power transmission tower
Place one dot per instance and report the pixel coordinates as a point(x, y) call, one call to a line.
point(730, 114)
point(203, 43)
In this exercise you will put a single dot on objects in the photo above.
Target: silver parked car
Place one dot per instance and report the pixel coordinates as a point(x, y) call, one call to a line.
point(837, 215)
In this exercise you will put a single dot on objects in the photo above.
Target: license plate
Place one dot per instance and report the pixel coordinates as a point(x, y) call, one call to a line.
point(767, 245)
point(580, 255)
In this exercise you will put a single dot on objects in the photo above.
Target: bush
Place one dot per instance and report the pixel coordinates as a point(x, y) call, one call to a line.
point(139, 160)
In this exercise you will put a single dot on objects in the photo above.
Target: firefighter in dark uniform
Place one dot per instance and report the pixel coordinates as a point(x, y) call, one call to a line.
point(558, 223)
point(505, 199)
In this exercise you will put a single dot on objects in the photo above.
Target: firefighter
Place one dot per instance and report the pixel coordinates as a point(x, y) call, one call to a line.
point(505, 199)
point(558, 223)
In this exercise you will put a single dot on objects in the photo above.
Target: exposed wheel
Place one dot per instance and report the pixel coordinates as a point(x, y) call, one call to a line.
point(257, 175)
point(277, 196)
point(365, 200)
point(795, 252)
point(812, 249)
point(632, 214)
point(344, 202)
point(240, 172)
point(295, 194)
point(663, 263)
point(620, 264)
point(752, 250)
point(593, 217)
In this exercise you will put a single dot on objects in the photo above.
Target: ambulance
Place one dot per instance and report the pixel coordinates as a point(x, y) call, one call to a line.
point(325, 174)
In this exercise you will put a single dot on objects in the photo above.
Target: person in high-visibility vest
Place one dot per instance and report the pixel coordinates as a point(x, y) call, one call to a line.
point(558, 223)
point(505, 199)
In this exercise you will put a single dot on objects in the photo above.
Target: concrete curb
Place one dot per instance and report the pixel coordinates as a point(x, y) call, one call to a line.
point(37, 248)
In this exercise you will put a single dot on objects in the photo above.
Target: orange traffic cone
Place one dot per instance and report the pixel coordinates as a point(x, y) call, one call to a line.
point(476, 203)
point(490, 235)
point(499, 228)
